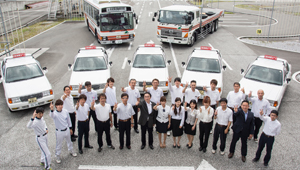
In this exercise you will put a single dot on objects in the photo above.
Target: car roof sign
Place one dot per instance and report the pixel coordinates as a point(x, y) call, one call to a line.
point(90, 47)
point(19, 55)
point(149, 45)
point(205, 48)
point(270, 57)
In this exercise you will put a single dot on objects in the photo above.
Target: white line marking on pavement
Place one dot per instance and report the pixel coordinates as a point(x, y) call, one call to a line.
point(130, 46)
point(205, 165)
point(92, 44)
point(139, 16)
point(294, 76)
point(150, 13)
point(150, 3)
point(136, 26)
point(175, 61)
point(222, 58)
point(234, 19)
point(94, 167)
point(124, 63)
point(158, 4)
point(239, 22)
point(110, 51)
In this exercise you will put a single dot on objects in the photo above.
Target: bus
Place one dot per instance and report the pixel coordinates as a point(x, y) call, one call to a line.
point(110, 21)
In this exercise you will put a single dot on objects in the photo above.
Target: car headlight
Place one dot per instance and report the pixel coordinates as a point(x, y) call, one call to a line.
point(74, 87)
point(273, 103)
point(131, 35)
point(163, 83)
point(46, 93)
point(104, 38)
point(14, 100)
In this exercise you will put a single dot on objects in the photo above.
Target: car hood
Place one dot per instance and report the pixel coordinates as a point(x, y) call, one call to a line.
point(27, 87)
point(148, 74)
point(271, 91)
point(202, 78)
point(95, 77)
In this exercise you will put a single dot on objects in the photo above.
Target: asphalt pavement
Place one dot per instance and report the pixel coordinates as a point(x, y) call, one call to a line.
point(20, 151)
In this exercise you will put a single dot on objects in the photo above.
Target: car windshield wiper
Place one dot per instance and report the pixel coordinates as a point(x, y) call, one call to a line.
point(213, 71)
point(142, 67)
point(35, 77)
point(255, 79)
point(195, 70)
point(112, 27)
point(273, 83)
point(123, 27)
point(83, 70)
point(17, 80)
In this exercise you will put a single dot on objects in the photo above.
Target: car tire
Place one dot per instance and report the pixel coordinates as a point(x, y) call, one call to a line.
point(87, 23)
point(216, 25)
point(193, 40)
point(96, 35)
point(212, 28)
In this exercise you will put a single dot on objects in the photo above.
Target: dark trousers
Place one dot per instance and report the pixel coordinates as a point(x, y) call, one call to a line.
point(150, 134)
point(263, 140)
point(73, 121)
point(135, 116)
point(115, 117)
point(124, 127)
point(83, 129)
point(257, 125)
point(233, 117)
point(236, 136)
point(103, 127)
point(219, 132)
point(93, 115)
point(204, 129)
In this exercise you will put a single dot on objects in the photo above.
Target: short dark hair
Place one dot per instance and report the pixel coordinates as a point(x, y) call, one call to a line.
point(87, 83)
point(193, 81)
point(102, 95)
point(39, 110)
point(148, 93)
point(132, 80)
point(163, 99)
point(275, 112)
point(82, 96)
point(214, 81)
point(66, 87)
point(245, 101)
point(110, 80)
point(236, 83)
point(177, 79)
point(223, 100)
point(124, 94)
point(155, 79)
point(195, 102)
point(59, 102)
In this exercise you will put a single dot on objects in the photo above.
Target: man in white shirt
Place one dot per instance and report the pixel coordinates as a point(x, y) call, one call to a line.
point(155, 91)
point(213, 93)
point(63, 128)
point(271, 129)
point(90, 96)
point(110, 92)
point(191, 93)
point(69, 106)
point(125, 113)
point(223, 116)
point(104, 117)
point(259, 103)
point(133, 99)
point(82, 111)
point(176, 90)
point(235, 97)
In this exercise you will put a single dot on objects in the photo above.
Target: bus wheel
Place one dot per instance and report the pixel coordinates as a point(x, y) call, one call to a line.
point(87, 23)
point(96, 35)
point(216, 25)
point(193, 39)
point(212, 28)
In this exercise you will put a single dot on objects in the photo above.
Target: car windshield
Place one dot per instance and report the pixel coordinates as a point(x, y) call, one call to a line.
point(149, 61)
point(204, 65)
point(89, 64)
point(172, 17)
point(23, 72)
point(116, 21)
point(264, 74)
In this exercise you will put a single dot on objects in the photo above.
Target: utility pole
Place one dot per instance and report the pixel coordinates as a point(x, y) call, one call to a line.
point(6, 47)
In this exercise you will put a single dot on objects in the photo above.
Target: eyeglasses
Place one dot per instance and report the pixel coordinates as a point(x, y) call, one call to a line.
point(124, 98)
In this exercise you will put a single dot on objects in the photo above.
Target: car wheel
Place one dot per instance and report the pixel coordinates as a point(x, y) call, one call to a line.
point(216, 25)
point(87, 23)
point(212, 28)
point(193, 39)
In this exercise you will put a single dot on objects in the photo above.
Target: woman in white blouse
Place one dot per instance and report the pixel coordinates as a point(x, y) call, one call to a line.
point(162, 120)
point(205, 125)
point(191, 121)
point(177, 121)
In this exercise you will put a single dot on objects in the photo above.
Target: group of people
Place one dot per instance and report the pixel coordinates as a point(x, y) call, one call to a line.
point(179, 117)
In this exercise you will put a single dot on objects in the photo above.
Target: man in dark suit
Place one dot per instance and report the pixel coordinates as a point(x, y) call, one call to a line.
point(242, 128)
point(147, 119)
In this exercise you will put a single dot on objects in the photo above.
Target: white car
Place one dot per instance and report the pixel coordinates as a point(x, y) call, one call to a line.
point(149, 62)
point(24, 82)
point(203, 65)
point(90, 64)
point(269, 73)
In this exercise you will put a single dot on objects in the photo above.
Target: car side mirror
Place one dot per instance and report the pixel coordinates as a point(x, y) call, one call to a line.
point(183, 64)
point(69, 67)
point(134, 15)
point(155, 14)
point(110, 63)
point(224, 67)
point(98, 23)
point(288, 80)
point(242, 71)
point(169, 62)
point(45, 70)
point(153, 19)
point(129, 62)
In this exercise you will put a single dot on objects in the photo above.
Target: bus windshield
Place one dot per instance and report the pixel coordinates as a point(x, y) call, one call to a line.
point(116, 21)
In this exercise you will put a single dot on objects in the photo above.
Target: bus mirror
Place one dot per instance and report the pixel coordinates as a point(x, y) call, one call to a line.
point(98, 23)
point(155, 14)
point(136, 21)
point(134, 15)
point(153, 19)
point(97, 17)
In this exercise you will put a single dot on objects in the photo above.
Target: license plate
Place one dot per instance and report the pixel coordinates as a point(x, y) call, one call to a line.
point(118, 36)
point(170, 39)
point(118, 41)
point(148, 86)
point(33, 104)
point(32, 100)
point(201, 92)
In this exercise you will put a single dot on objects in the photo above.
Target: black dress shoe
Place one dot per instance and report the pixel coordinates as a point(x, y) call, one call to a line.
point(174, 146)
point(121, 147)
point(111, 146)
point(90, 147)
point(244, 158)
point(200, 149)
point(266, 164)
point(143, 147)
point(99, 149)
point(80, 151)
point(128, 147)
point(73, 139)
point(136, 131)
point(75, 136)
point(255, 160)
point(204, 149)
point(190, 146)
point(151, 147)
point(230, 155)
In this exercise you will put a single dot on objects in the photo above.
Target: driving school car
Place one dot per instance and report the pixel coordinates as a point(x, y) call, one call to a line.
point(90, 64)
point(203, 65)
point(149, 62)
point(24, 82)
point(269, 73)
